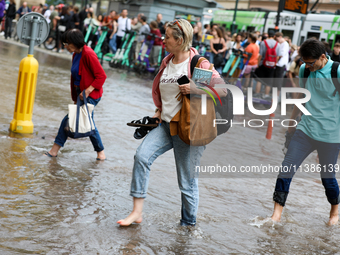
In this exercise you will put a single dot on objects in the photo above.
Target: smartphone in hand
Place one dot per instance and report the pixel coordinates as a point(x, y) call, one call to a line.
point(183, 80)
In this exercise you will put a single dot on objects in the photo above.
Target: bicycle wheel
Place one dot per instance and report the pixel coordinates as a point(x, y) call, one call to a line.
point(50, 43)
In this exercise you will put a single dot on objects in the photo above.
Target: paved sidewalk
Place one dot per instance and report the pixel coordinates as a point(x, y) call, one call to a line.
point(65, 54)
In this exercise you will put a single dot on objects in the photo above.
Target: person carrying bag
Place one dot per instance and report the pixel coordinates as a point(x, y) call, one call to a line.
point(87, 80)
point(178, 41)
point(189, 124)
point(80, 123)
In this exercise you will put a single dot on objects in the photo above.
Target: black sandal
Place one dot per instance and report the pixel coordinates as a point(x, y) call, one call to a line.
point(145, 122)
point(145, 126)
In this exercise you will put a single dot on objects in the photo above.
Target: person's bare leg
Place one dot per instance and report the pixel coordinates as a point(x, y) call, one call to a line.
point(54, 150)
point(267, 90)
point(135, 215)
point(277, 212)
point(101, 155)
point(246, 83)
point(333, 215)
point(258, 87)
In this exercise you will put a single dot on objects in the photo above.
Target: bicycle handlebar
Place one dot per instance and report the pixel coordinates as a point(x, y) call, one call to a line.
point(152, 35)
point(129, 31)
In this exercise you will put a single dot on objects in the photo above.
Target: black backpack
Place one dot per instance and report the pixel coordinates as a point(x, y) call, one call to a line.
point(334, 75)
point(224, 111)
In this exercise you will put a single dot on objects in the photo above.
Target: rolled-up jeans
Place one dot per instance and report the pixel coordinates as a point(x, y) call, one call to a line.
point(95, 138)
point(299, 148)
point(157, 142)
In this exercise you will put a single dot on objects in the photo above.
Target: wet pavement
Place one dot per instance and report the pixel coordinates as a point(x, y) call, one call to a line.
point(70, 204)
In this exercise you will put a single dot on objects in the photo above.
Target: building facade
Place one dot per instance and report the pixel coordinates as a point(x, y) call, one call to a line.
point(323, 5)
point(170, 9)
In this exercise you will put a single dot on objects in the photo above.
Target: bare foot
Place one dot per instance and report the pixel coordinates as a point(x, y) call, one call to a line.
point(54, 151)
point(333, 220)
point(277, 212)
point(333, 215)
point(101, 155)
point(134, 217)
point(275, 217)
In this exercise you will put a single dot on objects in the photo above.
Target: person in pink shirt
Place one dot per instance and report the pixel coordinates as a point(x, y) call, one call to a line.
point(178, 40)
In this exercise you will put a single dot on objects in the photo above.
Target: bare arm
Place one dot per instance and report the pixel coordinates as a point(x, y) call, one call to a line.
point(212, 47)
point(225, 47)
point(290, 76)
point(114, 27)
point(55, 21)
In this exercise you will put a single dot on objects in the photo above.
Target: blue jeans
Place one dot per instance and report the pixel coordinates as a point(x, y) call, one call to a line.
point(211, 60)
point(95, 138)
point(157, 142)
point(299, 148)
point(112, 44)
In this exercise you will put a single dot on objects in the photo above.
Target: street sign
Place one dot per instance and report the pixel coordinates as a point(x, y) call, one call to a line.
point(26, 32)
point(297, 6)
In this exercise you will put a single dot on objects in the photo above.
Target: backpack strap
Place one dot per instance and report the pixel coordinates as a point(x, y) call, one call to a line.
point(305, 76)
point(267, 46)
point(275, 45)
point(193, 63)
point(196, 62)
point(334, 74)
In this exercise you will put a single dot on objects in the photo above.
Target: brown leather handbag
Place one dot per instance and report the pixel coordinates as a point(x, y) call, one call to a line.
point(189, 124)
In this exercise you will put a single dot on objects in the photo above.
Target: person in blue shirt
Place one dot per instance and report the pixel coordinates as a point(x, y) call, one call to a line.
point(23, 9)
point(319, 131)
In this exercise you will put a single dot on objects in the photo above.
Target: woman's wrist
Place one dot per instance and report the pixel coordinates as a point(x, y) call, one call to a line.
point(90, 89)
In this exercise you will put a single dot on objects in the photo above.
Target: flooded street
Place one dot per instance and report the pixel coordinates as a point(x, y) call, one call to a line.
point(70, 204)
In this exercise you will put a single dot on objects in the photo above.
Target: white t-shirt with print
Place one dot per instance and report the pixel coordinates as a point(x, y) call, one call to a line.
point(168, 87)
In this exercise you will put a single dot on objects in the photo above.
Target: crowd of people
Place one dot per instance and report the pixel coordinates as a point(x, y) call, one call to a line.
point(272, 55)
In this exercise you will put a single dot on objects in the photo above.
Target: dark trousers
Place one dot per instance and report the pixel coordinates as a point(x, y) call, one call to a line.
point(8, 27)
point(278, 75)
point(119, 41)
point(299, 149)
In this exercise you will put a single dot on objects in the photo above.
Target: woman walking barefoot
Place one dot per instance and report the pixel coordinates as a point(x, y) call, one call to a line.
point(178, 39)
point(86, 74)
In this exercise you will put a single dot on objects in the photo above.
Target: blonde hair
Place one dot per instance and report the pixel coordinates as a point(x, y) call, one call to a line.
point(186, 33)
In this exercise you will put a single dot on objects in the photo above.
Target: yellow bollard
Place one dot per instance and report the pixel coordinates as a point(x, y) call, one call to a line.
point(27, 81)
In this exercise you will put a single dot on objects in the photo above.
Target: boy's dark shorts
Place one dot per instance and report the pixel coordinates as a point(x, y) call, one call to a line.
point(266, 74)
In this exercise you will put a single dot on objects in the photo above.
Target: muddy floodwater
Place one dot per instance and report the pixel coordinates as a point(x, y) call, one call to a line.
point(70, 204)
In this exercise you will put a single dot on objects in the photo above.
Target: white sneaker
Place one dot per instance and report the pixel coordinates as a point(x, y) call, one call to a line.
point(267, 97)
point(2, 33)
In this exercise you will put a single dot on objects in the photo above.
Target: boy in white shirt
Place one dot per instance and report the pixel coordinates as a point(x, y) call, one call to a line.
point(282, 59)
point(124, 23)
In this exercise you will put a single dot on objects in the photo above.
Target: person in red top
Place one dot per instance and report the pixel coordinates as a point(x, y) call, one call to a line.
point(86, 74)
point(254, 49)
point(157, 44)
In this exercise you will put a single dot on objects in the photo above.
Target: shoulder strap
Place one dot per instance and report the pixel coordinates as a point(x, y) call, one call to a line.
point(275, 45)
point(305, 76)
point(196, 62)
point(334, 74)
point(265, 43)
